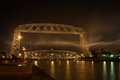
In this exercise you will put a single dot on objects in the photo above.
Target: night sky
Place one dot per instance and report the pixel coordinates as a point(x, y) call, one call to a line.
point(101, 20)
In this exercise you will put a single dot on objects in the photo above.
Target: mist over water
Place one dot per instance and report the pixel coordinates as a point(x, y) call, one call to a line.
point(104, 43)
point(59, 41)
point(48, 41)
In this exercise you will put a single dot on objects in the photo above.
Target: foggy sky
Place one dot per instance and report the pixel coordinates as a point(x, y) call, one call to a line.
point(101, 20)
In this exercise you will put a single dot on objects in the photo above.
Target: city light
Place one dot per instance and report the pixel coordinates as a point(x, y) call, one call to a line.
point(111, 55)
point(36, 54)
point(24, 49)
point(19, 55)
point(67, 54)
point(91, 55)
point(82, 55)
point(19, 65)
point(36, 63)
point(52, 54)
point(3, 56)
point(103, 55)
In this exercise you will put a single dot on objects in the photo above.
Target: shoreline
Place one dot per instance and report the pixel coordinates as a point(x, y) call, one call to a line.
point(78, 59)
point(14, 71)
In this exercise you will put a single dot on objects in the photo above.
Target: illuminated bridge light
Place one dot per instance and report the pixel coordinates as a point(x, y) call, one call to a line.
point(24, 49)
point(19, 55)
point(54, 54)
point(36, 63)
point(36, 54)
point(19, 37)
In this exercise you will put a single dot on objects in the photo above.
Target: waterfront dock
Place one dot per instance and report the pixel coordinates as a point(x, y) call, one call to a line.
point(22, 72)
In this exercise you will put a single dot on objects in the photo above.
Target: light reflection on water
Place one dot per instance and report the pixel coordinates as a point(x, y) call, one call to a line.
point(92, 67)
point(68, 70)
point(112, 71)
point(119, 71)
point(104, 70)
point(52, 68)
point(81, 70)
point(82, 66)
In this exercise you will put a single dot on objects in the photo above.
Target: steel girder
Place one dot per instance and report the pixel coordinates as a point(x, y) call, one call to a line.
point(46, 28)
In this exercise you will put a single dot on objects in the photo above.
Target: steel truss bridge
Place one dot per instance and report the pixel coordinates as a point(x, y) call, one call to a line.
point(52, 54)
point(48, 28)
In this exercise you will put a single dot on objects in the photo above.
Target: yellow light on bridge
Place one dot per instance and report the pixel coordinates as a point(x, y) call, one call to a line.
point(52, 54)
point(19, 37)
point(36, 63)
point(36, 54)
point(24, 48)
point(82, 55)
point(67, 54)
point(19, 55)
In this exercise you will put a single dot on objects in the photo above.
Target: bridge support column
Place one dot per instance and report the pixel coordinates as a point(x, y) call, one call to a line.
point(83, 44)
point(15, 49)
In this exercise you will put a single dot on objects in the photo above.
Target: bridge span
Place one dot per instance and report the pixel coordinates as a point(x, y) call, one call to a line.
point(51, 54)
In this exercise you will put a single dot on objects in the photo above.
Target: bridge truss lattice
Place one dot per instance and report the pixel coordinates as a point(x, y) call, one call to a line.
point(47, 28)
